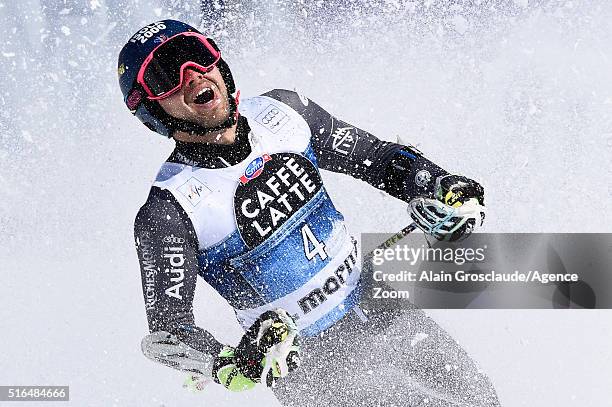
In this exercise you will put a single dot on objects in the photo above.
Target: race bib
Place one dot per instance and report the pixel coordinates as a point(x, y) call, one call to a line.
point(272, 189)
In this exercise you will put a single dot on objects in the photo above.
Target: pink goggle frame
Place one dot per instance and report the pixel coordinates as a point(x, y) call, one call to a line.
point(187, 64)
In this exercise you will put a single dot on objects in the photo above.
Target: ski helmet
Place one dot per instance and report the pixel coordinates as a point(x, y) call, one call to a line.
point(132, 57)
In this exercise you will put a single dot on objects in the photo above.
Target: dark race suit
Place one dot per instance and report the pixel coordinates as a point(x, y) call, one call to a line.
point(264, 233)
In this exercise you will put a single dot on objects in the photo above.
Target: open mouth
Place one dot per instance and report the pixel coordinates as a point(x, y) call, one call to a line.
point(206, 95)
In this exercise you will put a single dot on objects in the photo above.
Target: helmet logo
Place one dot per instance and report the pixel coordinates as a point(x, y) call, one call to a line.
point(133, 100)
point(255, 168)
point(121, 69)
point(160, 38)
point(147, 32)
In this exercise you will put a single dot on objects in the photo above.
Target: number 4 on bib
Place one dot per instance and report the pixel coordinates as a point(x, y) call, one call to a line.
point(309, 239)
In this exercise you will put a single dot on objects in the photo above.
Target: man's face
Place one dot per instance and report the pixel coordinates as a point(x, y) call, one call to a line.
point(202, 99)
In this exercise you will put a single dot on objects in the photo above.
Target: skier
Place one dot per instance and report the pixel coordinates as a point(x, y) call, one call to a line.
point(240, 202)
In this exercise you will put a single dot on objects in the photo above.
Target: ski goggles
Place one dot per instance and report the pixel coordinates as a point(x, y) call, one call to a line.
point(161, 73)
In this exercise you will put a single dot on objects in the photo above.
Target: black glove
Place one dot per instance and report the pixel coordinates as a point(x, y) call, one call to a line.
point(455, 190)
point(269, 348)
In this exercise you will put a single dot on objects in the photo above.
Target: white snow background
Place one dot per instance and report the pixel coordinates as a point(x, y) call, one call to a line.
point(515, 94)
